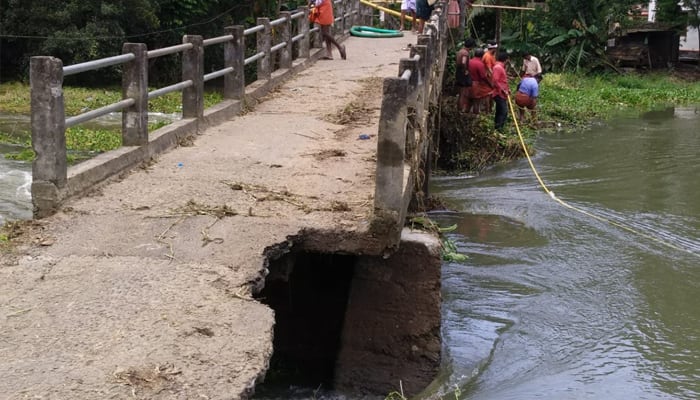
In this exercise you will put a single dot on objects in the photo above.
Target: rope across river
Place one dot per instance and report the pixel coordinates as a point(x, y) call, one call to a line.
point(582, 211)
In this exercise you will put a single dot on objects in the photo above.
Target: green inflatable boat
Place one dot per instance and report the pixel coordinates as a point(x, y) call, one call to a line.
point(370, 32)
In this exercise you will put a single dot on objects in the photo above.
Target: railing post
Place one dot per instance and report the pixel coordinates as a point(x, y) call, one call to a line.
point(318, 41)
point(286, 35)
point(338, 14)
point(355, 10)
point(135, 86)
point(193, 69)
point(363, 14)
point(411, 106)
point(426, 66)
point(264, 39)
point(50, 166)
point(304, 44)
point(342, 12)
point(234, 56)
point(391, 147)
point(412, 65)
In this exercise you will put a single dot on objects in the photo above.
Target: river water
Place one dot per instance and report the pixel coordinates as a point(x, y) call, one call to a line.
point(15, 186)
point(16, 177)
point(555, 304)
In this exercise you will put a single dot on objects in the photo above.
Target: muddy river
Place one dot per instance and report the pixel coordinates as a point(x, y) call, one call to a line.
point(556, 304)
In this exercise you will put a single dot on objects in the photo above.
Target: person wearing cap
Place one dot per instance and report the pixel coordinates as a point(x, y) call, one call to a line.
point(526, 97)
point(490, 57)
point(501, 90)
point(531, 66)
point(462, 77)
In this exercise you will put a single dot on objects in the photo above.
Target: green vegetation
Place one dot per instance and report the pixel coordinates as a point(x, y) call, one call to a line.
point(571, 35)
point(449, 250)
point(567, 101)
point(76, 31)
point(14, 99)
point(8, 232)
point(83, 142)
point(575, 100)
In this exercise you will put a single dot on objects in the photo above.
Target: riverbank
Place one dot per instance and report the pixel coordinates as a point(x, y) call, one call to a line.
point(567, 102)
point(574, 101)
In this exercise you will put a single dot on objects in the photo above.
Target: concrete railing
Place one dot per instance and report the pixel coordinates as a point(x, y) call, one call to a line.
point(275, 60)
point(404, 126)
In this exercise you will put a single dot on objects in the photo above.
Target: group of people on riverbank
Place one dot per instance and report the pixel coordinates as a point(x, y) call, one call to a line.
point(483, 82)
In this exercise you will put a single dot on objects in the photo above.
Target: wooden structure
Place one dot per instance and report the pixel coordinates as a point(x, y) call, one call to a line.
point(648, 46)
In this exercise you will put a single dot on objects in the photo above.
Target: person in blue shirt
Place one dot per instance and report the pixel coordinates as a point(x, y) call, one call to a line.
point(526, 97)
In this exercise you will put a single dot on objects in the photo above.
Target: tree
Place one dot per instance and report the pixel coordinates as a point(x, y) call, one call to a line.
point(73, 30)
point(570, 34)
point(79, 30)
point(670, 12)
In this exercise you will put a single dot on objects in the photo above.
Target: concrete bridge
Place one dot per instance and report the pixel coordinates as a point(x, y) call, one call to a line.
point(175, 265)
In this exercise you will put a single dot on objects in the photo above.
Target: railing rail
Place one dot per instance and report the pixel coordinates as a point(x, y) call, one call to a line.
point(405, 123)
point(276, 55)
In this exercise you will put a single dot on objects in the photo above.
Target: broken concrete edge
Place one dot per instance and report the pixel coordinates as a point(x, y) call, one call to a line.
point(391, 328)
point(47, 197)
point(388, 223)
point(392, 324)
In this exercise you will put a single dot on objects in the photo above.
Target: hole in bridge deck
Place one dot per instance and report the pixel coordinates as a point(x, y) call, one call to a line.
point(309, 294)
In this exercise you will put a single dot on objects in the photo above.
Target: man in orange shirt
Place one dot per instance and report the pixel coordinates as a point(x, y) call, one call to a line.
point(322, 14)
point(489, 59)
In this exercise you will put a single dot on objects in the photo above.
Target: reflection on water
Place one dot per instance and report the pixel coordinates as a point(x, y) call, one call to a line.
point(15, 188)
point(553, 304)
point(15, 176)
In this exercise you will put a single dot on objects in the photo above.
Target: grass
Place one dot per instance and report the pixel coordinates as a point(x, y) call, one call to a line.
point(576, 100)
point(567, 102)
point(15, 99)
point(82, 142)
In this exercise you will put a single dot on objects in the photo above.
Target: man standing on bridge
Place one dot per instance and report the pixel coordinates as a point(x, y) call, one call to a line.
point(322, 13)
point(408, 7)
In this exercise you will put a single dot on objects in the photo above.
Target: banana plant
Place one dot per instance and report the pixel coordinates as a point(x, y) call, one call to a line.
point(581, 47)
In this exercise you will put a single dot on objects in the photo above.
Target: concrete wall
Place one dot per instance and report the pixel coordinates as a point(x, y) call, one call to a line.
point(405, 127)
point(391, 332)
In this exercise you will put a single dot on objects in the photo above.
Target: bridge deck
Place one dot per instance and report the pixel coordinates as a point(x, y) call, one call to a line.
point(144, 288)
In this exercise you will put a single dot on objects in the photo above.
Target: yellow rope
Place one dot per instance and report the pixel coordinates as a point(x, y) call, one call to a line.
point(571, 207)
point(386, 10)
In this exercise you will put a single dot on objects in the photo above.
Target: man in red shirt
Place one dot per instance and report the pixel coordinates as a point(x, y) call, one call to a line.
point(481, 87)
point(501, 90)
